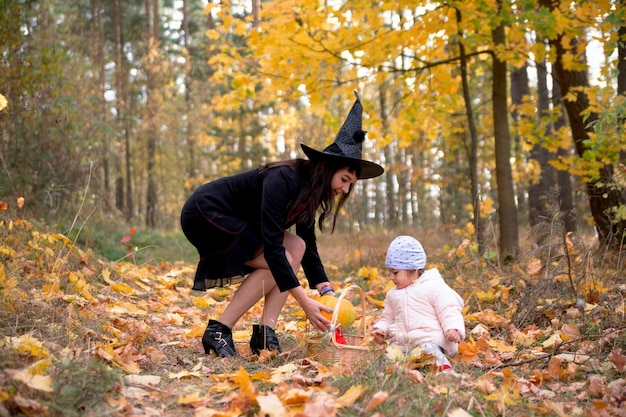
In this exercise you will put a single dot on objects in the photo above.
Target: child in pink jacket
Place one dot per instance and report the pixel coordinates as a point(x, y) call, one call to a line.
point(422, 310)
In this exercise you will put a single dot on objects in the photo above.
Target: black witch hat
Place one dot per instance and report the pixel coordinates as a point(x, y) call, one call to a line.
point(348, 144)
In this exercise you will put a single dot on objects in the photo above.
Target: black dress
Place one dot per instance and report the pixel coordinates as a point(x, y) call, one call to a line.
point(232, 219)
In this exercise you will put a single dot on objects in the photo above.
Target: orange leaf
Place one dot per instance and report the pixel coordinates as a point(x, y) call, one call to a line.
point(468, 350)
point(378, 398)
point(132, 231)
point(554, 368)
point(3, 206)
point(618, 359)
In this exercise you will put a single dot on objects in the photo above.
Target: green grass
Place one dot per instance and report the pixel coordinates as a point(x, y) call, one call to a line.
point(144, 246)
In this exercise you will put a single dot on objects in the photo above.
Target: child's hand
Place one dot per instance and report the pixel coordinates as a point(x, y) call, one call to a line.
point(453, 335)
point(379, 335)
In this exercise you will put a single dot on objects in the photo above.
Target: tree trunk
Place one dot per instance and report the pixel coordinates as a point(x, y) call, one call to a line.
point(538, 192)
point(392, 209)
point(99, 65)
point(519, 90)
point(190, 136)
point(152, 13)
point(120, 100)
point(509, 241)
point(473, 151)
point(603, 197)
point(563, 178)
point(621, 80)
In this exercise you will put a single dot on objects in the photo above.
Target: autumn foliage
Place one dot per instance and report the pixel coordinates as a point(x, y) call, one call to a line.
point(84, 336)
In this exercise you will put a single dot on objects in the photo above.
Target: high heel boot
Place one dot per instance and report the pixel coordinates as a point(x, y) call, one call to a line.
point(263, 337)
point(219, 339)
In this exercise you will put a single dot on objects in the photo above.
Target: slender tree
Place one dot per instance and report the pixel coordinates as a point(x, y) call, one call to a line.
point(509, 240)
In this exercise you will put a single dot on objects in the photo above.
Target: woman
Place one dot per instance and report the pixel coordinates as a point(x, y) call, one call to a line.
point(239, 224)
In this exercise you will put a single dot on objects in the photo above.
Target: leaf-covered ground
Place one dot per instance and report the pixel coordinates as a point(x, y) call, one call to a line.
point(82, 336)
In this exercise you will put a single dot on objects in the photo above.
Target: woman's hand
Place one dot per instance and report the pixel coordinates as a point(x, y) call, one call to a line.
point(312, 308)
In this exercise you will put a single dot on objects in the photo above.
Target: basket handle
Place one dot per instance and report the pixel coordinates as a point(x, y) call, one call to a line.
point(333, 321)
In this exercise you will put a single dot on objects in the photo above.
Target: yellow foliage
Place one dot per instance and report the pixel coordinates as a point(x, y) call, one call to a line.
point(486, 207)
point(27, 345)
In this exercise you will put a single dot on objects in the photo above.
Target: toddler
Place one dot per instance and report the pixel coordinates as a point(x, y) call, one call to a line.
point(422, 310)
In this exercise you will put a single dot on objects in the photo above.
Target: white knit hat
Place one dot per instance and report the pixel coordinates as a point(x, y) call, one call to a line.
point(405, 253)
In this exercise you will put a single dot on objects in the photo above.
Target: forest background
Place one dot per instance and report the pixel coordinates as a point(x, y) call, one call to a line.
point(488, 116)
point(499, 123)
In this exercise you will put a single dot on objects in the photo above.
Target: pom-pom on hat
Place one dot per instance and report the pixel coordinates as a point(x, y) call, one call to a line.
point(405, 253)
point(348, 145)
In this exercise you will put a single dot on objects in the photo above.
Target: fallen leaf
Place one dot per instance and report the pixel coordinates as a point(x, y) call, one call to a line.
point(618, 359)
point(459, 412)
point(350, 396)
point(377, 399)
point(38, 382)
point(271, 406)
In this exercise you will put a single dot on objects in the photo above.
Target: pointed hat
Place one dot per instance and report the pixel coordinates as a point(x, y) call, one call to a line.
point(348, 145)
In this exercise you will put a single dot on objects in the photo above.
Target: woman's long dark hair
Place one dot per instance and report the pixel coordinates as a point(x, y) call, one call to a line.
point(317, 192)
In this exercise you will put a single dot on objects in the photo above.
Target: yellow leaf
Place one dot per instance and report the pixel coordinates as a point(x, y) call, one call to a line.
point(283, 373)
point(486, 207)
point(3, 102)
point(552, 341)
point(203, 301)
point(189, 399)
point(485, 295)
point(126, 308)
point(184, 374)
point(350, 396)
point(38, 382)
point(39, 367)
point(295, 397)
point(377, 303)
point(241, 335)
point(394, 353)
point(122, 288)
point(106, 275)
point(245, 383)
point(489, 317)
point(26, 344)
point(500, 346)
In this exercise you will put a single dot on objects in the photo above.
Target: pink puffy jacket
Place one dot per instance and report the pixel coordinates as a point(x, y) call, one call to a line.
point(422, 312)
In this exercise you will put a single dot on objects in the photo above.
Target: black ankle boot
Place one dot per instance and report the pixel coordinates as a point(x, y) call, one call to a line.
point(263, 337)
point(219, 339)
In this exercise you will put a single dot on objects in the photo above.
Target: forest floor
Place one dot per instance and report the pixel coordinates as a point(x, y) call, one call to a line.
point(81, 336)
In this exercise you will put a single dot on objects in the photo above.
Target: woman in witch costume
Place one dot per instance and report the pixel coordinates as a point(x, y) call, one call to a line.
point(239, 225)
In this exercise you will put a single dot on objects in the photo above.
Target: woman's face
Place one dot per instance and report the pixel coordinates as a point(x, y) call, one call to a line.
point(342, 181)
